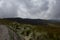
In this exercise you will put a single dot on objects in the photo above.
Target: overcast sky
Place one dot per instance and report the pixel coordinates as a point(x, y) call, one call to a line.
point(42, 9)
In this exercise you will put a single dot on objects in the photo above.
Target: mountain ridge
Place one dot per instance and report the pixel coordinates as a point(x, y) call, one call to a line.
point(32, 21)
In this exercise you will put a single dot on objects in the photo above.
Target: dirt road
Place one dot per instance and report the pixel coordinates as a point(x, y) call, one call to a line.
point(4, 35)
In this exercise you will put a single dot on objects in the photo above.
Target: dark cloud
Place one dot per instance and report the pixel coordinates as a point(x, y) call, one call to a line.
point(44, 9)
point(55, 11)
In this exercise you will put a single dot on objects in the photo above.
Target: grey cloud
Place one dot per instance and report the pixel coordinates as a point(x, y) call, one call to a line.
point(55, 11)
point(44, 9)
point(35, 9)
point(8, 9)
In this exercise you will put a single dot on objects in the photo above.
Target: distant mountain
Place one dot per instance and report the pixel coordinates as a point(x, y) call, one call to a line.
point(32, 21)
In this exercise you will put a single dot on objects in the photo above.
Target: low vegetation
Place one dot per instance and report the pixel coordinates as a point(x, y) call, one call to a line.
point(50, 31)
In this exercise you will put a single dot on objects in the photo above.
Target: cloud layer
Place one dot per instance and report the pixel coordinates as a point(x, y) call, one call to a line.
point(42, 9)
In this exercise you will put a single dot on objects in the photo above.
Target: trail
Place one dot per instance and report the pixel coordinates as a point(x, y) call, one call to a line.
point(4, 35)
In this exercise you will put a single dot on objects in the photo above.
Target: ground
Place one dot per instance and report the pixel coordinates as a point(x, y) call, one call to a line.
point(10, 30)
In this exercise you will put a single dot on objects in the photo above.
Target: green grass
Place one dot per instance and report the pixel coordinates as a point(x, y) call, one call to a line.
point(50, 31)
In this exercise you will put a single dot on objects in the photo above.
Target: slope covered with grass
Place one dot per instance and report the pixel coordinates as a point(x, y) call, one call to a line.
point(51, 31)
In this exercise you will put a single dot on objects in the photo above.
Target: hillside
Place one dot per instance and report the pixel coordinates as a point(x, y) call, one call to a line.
point(32, 21)
point(32, 29)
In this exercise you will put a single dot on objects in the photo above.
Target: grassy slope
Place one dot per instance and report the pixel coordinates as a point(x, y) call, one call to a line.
point(49, 32)
point(55, 27)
